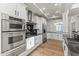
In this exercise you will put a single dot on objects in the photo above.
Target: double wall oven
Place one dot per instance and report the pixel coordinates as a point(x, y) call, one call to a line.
point(13, 33)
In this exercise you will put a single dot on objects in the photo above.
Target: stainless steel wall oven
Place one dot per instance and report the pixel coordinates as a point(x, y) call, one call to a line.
point(13, 32)
point(10, 23)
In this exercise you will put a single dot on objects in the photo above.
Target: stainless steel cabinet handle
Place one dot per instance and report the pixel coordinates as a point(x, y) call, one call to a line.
point(15, 12)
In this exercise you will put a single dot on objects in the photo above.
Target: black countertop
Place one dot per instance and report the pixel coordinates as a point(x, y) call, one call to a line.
point(72, 40)
point(73, 46)
point(28, 36)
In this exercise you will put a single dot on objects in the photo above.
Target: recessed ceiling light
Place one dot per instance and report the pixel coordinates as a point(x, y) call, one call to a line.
point(44, 8)
point(57, 11)
point(55, 4)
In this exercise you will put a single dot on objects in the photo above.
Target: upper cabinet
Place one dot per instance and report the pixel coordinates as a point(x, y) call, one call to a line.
point(8, 8)
point(14, 9)
point(21, 10)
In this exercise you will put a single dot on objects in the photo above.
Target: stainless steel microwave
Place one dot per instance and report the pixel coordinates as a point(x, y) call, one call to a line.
point(10, 23)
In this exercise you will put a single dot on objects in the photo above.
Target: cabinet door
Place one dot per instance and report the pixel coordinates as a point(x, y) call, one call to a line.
point(61, 37)
point(38, 39)
point(49, 36)
point(41, 40)
point(8, 8)
point(21, 10)
point(65, 50)
point(39, 24)
point(30, 43)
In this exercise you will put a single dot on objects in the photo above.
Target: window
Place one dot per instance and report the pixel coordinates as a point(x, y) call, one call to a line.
point(59, 26)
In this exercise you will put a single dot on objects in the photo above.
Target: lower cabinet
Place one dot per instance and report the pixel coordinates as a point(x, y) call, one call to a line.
point(57, 36)
point(65, 50)
point(49, 36)
point(38, 39)
point(52, 36)
point(30, 43)
point(15, 52)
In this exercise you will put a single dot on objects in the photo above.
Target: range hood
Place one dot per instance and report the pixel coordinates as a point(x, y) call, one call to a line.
point(30, 18)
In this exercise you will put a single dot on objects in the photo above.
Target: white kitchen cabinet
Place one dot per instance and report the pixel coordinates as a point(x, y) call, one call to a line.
point(60, 37)
point(65, 50)
point(65, 47)
point(38, 39)
point(49, 36)
point(39, 24)
point(14, 9)
point(34, 18)
point(30, 43)
point(8, 8)
point(56, 36)
point(31, 46)
point(52, 36)
point(21, 10)
point(14, 52)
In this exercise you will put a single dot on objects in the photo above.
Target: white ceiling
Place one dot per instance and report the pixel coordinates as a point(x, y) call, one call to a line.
point(74, 10)
point(51, 10)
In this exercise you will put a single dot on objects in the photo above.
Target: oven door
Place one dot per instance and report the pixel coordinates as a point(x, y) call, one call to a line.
point(11, 40)
point(11, 25)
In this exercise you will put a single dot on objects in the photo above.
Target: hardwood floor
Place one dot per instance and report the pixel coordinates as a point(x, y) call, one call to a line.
point(50, 48)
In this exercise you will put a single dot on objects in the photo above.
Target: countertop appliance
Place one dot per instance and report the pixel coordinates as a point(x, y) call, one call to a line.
point(30, 29)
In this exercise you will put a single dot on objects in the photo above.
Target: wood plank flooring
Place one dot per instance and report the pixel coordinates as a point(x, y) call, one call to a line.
point(50, 48)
